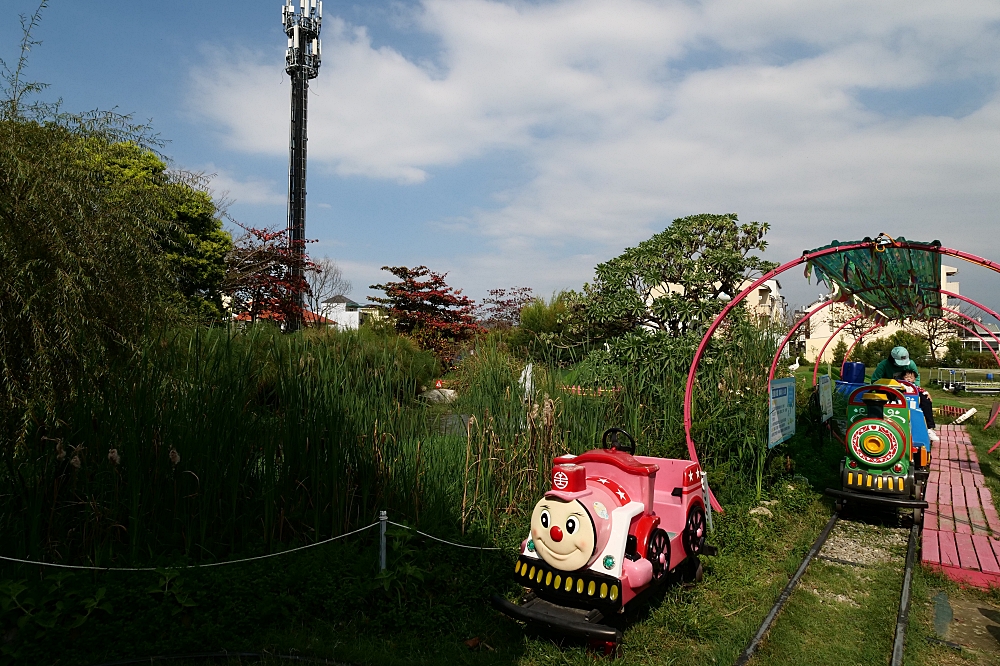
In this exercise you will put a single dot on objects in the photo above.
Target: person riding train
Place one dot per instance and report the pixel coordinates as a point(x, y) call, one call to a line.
point(899, 366)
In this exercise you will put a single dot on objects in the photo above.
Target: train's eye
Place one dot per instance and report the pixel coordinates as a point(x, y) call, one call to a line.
point(545, 519)
point(571, 525)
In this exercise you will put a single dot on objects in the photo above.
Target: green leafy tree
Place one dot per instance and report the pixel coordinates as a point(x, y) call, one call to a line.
point(81, 271)
point(872, 353)
point(196, 250)
point(955, 354)
point(194, 244)
point(677, 280)
point(839, 352)
point(82, 264)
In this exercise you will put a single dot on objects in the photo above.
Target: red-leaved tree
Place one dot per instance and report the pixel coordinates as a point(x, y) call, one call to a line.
point(261, 275)
point(502, 307)
point(423, 306)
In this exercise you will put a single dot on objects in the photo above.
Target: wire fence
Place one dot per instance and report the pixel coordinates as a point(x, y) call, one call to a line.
point(382, 522)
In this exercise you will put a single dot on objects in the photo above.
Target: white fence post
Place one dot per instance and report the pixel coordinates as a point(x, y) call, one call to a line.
point(382, 518)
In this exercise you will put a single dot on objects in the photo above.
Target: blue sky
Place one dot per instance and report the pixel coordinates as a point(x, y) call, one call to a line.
point(521, 143)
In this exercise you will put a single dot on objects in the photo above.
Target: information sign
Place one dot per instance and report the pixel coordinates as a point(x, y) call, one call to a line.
point(826, 397)
point(782, 416)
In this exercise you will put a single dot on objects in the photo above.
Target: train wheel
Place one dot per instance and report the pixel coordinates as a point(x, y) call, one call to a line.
point(694, 531)
point(658, 553)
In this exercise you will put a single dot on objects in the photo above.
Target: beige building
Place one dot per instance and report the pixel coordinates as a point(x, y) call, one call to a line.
point(814, 334)
point(766, 301)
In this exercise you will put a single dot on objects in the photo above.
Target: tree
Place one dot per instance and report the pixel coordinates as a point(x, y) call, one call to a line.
point(197, 247)
point(81, 268)
point(675, 281)
point(261, 278)
point(326, 280)
point(427, 309)
point(934, 332)
point(841, 314)
point(839, 352)
point(194, 244)
point(872, 353)
point(502, 307)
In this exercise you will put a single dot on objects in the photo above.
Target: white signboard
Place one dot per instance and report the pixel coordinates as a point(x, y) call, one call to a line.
point(782, 417)
point(826, 397)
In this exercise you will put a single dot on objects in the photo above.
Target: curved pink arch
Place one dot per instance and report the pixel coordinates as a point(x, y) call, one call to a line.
point(995, 316)
point(784, 341)
point(971, 302)
point(806, 256)
point(826, 344)
point(855, 344)
point(971, 330)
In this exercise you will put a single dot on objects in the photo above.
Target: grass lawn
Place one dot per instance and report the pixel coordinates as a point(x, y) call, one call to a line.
point(329, 603)
point(707, 623)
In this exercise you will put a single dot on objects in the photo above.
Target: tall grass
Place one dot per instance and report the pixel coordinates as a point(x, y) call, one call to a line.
point(211, 443)
point(514, 434)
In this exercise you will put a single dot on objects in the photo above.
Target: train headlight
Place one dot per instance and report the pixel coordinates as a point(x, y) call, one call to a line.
point(897, 468)
point(853, 464)
point(873, 445)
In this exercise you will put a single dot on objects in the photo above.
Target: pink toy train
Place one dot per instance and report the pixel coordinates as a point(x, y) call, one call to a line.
point(612, 526)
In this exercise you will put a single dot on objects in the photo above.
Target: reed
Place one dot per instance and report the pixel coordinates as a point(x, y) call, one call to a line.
point(213, 443)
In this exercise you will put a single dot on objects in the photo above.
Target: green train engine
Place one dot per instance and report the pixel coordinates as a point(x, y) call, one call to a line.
point(884, 463)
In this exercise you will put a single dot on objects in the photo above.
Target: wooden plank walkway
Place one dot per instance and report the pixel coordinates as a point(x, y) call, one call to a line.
point(961, 535)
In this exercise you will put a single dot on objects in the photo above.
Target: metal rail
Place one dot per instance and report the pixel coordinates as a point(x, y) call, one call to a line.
point(899, 639)
point(902, 616)
point(754, 643)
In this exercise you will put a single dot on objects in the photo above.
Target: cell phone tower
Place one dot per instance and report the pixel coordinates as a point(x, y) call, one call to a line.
point(302, 60)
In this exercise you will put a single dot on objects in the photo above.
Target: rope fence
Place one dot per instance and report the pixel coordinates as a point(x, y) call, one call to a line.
point(382, 522)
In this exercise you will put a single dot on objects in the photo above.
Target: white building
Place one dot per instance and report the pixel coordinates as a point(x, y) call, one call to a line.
point(343, 312)
point(766, 302)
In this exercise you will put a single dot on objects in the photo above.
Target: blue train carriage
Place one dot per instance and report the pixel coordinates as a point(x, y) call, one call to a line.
point(887, 448)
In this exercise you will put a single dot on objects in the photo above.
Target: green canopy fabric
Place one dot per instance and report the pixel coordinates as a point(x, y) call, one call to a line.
point(901, 283)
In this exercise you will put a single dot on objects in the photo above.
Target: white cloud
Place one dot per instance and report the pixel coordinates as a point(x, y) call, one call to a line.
point(634, 112)
point(252, 191)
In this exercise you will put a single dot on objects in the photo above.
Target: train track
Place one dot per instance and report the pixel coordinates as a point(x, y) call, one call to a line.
point(902, 614)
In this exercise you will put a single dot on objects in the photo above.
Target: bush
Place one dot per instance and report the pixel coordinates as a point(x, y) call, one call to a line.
point(872, 353)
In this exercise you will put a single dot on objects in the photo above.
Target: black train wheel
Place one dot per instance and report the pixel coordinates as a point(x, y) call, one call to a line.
point(694, 531)
point(658, 552)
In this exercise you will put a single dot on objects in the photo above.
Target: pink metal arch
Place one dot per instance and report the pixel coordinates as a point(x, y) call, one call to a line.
point(972, 302)
point(806, 256)
point(855, 344)
point(972, 330)
point(784, 341)
point(995, 316)
point(829, 340)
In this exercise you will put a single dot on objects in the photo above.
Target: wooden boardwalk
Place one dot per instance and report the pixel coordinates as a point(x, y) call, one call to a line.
point(961, 535)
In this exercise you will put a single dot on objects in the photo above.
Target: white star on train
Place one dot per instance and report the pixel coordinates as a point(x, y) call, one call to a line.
point(620, 493)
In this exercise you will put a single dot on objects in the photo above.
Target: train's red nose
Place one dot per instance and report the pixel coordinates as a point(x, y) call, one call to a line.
point(556, 533)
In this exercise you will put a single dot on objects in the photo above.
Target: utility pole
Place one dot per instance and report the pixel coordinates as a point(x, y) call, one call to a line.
point(302, 60)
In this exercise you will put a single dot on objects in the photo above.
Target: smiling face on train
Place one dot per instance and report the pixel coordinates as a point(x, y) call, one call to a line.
point(563, 533)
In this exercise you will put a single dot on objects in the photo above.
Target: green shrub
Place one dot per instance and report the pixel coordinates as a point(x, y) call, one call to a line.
point(873, 352)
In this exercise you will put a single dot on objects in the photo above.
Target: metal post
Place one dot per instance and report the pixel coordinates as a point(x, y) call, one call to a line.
point(708, 503)
point(382, 518)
